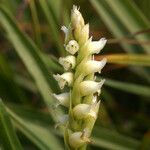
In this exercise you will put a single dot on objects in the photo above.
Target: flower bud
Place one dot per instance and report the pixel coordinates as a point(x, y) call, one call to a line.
point(77, 139)
point(82, 111)
point(96, 46)
point(72, 47)
point(89, 87)
point(63, 98)
point(64, 79)
point(84, 35)
point(76, 17)
point(68, 62)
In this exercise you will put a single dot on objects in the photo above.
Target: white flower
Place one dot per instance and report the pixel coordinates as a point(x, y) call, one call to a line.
point(64, 79)
point(63, 98)
point(83, 111)
point(68, 62)
point(77, 139)
point(93, 66)
point(89, 87)
point(96, 46)
point(72, 47)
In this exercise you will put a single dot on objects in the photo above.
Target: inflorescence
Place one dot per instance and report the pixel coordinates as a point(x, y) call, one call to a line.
point(81, 97)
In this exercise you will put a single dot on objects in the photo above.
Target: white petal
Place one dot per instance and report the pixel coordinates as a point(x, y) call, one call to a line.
point(64, 79)
point(96, 46)
point(89, 87)
point(68, 62)
point(72, 47)
point(64, 29)
point(63, 98)
point(93, 66)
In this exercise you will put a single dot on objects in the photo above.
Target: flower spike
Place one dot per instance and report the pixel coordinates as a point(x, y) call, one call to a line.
point(81, 97)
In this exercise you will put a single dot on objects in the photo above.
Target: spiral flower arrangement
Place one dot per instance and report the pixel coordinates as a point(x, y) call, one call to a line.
point(81, 97)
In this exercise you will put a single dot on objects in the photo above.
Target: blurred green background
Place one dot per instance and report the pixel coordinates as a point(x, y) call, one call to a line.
point(31, 43)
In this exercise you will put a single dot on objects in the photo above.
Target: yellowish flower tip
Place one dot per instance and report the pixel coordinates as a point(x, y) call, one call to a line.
point(64, 79)
point(84, 35)
point(72, 47)
point(68, 62)
point(76, 17)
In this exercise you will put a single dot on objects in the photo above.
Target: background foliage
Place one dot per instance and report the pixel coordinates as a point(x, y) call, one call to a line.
point(31, 43)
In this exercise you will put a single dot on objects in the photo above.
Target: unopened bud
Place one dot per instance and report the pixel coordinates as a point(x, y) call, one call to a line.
point(64, 79)
point(77, 139)
point(82, 111)
point(76, 17)
point(84, 35)
point(89, 87)
point(68, 62)
point(63, 98)
point(72, 47)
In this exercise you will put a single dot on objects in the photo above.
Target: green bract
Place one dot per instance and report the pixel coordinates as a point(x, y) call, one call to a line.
point(80, 99)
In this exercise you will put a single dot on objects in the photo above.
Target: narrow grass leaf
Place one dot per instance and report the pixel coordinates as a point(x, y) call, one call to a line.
point(106, 138)
point(8, 136)
point(139, 60)
point(37, 133)
point(129, 87)
point(30, 56)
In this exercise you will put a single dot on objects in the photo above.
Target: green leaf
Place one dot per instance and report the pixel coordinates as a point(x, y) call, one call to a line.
point(40, 135)
point(7, 80)
point(31, 57)
point(113, 23)
point(109, 139)
point(102, 137)
point(129, 87)
point(55, 28)
point(8, 136)
point(35, 21)
point(132, 18)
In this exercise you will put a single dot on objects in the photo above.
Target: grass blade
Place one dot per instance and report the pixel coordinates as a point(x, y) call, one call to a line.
point(53, 25)
point(30, 56)
point(113, 23)
point(140, 60)
point(109, 139)
point(129, 87)
point(132, 18)
point(8, 137)
point(37, 133)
